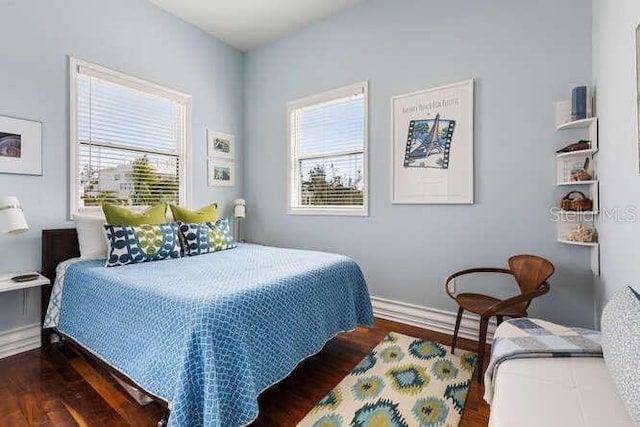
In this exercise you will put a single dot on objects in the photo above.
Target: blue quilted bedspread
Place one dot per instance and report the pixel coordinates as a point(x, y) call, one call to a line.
point(209, 333)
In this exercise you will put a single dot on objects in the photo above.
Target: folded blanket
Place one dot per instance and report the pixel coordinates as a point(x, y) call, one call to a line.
point(524, 338)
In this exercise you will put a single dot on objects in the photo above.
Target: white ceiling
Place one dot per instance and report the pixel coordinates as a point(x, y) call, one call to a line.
point(248, 24)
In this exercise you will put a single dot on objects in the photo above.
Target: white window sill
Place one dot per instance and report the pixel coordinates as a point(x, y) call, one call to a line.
point(334, 211)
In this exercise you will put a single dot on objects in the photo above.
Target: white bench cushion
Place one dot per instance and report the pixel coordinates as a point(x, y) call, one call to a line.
point(556, 392)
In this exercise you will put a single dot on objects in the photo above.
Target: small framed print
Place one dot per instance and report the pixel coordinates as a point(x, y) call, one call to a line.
point(221, 173)
point(221, 145)
point(20, 146)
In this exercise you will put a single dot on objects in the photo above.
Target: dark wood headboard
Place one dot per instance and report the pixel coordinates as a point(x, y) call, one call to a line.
point(57, 246)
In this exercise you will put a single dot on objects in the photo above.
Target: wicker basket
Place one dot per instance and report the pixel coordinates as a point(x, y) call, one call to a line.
point(576, 204)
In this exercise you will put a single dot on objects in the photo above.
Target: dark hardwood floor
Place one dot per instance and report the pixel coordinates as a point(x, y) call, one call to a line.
point(47, 387)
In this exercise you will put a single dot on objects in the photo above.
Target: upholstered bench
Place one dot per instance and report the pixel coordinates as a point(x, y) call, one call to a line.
point(562, 378)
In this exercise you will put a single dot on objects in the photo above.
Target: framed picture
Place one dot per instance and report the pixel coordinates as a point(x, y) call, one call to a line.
point(221, 145)
point(20, 146)
point(432, 146)
point(638, 88)
point(221, 172)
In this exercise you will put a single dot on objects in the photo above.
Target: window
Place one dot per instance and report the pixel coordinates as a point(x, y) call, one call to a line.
point(129, 140)
point(328, 153)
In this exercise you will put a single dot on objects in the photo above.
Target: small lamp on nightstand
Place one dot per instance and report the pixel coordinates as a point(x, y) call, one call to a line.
point(12, 219)
point(12, 222)
point(239, 214)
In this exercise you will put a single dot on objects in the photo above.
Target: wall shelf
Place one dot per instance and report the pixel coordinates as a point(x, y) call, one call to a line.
point(583, 213)
point(578, 182)
point(577, 124)
point(566, 166)
point(571, 242)
point(578, 153)
point(7, 285)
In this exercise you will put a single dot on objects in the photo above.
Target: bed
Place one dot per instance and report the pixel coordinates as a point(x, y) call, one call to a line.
point(204, 335)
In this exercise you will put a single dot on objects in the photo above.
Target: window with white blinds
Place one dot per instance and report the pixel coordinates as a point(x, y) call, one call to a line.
point(129, 140)
point(328, 153)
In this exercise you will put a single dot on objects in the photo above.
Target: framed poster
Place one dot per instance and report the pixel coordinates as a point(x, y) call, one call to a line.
point(221, 172)
point(638, 88)
point(221, 145)
point(20, 146)
point(432, 146)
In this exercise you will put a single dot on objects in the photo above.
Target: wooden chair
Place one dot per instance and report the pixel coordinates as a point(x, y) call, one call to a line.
point(530, 273)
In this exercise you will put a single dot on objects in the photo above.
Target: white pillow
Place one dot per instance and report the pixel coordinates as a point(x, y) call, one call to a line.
point(91, 238)
point(621, 346)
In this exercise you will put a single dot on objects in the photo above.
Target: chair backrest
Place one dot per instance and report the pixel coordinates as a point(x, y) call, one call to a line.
point(530, 271)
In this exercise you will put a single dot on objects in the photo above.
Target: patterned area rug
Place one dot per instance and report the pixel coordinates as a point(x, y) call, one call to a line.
point(403, 381)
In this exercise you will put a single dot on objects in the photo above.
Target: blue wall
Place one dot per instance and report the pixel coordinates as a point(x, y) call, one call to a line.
point(132, 36)
point(524, 56)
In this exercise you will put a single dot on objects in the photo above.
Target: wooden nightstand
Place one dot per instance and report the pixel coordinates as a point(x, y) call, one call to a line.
point(8, 285)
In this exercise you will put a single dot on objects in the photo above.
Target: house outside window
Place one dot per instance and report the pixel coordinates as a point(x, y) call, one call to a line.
point(130, 140)
point(327, 153)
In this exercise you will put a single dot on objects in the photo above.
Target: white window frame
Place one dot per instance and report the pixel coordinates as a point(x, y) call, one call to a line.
point(293, 166)
point(184, 149)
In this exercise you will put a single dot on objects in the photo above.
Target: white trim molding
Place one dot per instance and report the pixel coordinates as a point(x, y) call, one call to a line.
point(19, 339)
point(430, 318)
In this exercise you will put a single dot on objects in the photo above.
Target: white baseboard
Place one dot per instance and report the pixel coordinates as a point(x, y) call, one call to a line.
point(19, 339)
point(430, 318)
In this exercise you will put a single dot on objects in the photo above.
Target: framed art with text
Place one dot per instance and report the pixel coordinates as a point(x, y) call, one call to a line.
point(638, 88)
point(432, 146)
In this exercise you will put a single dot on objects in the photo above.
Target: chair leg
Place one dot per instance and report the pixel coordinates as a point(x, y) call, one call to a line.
point(484, 323)
point(457, 328)
point(499, 320)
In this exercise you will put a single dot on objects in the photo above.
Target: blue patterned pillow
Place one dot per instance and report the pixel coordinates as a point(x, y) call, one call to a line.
point(141, 243)
point(206, 237)
point(621, 346)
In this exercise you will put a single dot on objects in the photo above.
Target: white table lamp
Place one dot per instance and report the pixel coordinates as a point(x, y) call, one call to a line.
point(12, 222)
point(12, 219)
point(239, 214)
